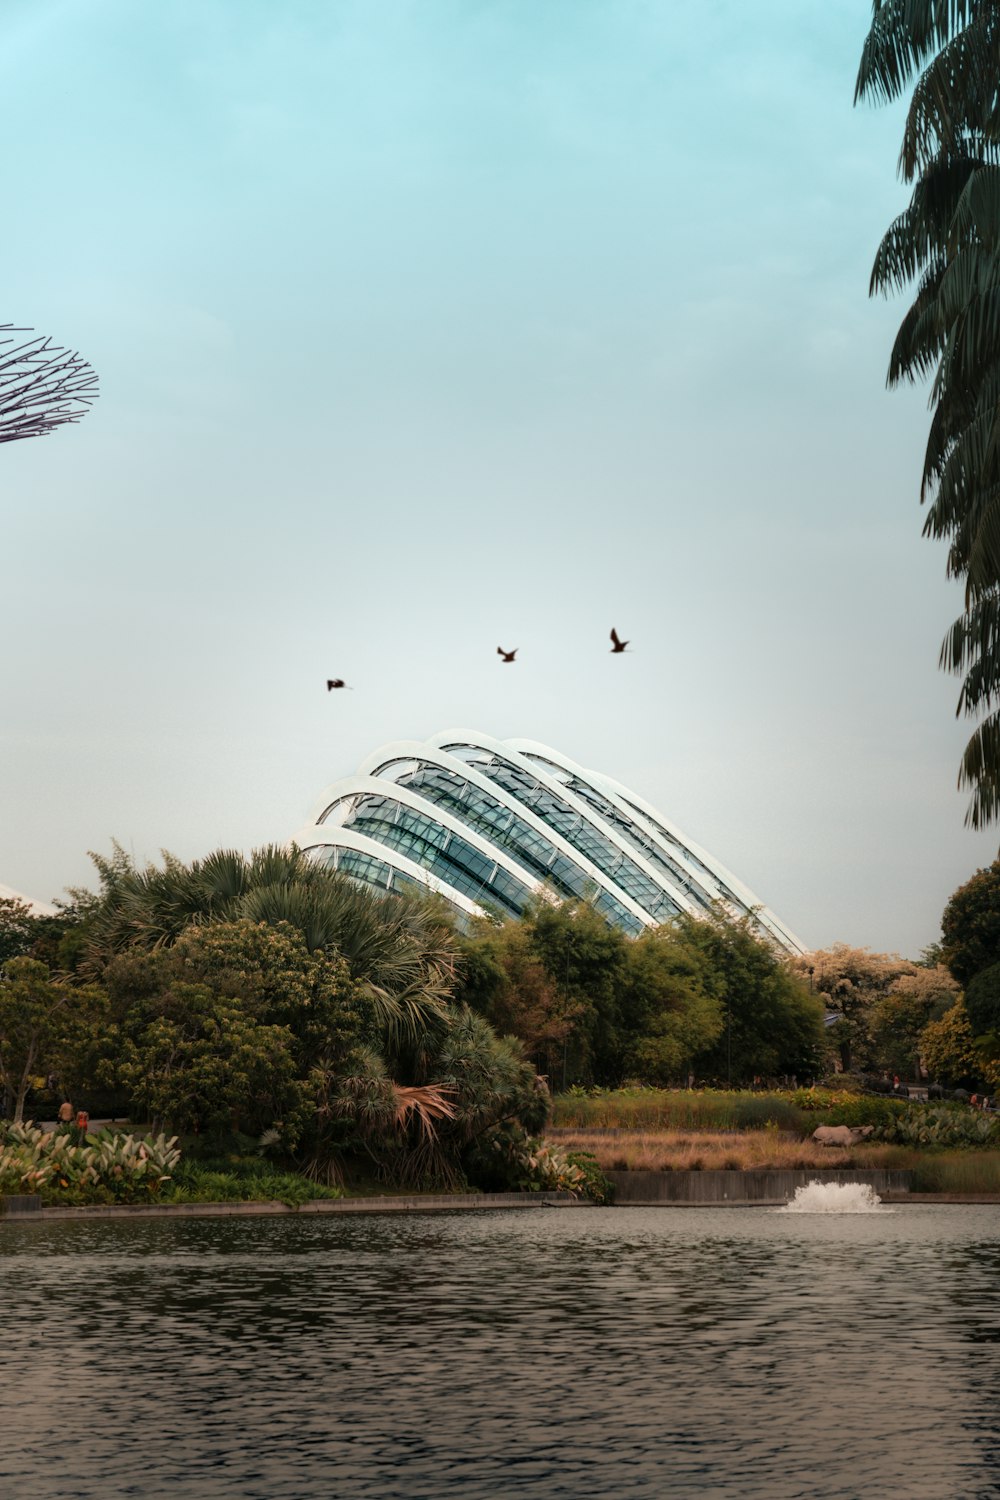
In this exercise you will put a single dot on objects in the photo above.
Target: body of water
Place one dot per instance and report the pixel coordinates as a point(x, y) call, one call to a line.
point(550, 1352)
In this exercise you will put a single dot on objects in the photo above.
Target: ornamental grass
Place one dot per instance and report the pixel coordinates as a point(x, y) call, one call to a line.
point(675, 1109)
point(693, 1151)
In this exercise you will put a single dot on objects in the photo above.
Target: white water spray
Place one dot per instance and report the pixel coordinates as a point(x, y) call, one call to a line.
point(835, 1198)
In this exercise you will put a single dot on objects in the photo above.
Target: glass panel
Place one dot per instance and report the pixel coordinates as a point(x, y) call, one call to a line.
point(576, 830)
point(365, 869)
point(437, 849)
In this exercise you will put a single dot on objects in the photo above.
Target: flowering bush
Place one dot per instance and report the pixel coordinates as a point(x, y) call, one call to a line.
point(105, 1167)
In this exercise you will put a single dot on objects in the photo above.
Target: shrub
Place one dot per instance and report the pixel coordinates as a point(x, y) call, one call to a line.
point(105, 1167)
point(940, 1127)
point(595, 1186)
point(861, 1109)
point(510, 1160)
point(239, 1180)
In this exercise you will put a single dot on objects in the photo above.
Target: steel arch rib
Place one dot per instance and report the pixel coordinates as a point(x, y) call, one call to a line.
point(706, 876)
point(346, 838)
point(429, 753)
point(628, 803)
point(360, 786)
point(505, 749)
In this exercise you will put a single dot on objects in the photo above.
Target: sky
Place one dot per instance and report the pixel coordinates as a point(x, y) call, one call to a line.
point(430, 325)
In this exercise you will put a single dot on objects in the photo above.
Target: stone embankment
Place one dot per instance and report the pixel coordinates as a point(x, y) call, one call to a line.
point(29, 1209)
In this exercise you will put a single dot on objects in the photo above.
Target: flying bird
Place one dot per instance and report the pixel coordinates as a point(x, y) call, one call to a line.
point(616, 644)
point(507, 655)
point(336, 682)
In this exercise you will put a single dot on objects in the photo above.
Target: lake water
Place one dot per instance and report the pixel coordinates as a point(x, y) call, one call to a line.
point(544, 1352)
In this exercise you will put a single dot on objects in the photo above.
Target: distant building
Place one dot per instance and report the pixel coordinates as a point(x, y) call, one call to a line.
point(38, 908)
point(491, 824)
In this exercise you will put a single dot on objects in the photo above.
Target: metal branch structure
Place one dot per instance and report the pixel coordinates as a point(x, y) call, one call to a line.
point(42, 387)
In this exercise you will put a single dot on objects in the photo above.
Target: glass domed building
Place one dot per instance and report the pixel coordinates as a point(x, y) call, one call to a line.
point(492, 824)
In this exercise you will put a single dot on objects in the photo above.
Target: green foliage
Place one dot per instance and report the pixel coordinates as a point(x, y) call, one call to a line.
point(399, 949)
point(674, 1109)
point(672, 1004)
point(592, 1005)
point(45, 1024)
point(595, 1186)
point(798, 1111)
point(944, 1127)
point(17, 929)
point(772, 1025)
point(470, 1082)
point(862, 1109)
point(509, 1160)
point(898, 1020)
point(222, 1028)
point(821, 1100)
point(242, 1180)
point(198, 1061)
point(105, 1167)
point(970, 925)
point(587, 962)
point(489, 1080)
point(882, 1003)
point(505, 979)
point(982, 1000)
point(945, 246)
point(949, 1048)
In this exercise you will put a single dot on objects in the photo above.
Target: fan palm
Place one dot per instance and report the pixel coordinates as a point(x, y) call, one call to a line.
point(947, 242)
point(396, 947)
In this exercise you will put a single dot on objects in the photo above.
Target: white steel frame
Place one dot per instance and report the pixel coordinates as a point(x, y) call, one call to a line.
point(703, 874)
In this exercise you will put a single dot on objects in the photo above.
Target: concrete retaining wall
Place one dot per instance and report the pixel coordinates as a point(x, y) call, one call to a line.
point(17, 1204)
point(642, 1189)
point(404, 1203)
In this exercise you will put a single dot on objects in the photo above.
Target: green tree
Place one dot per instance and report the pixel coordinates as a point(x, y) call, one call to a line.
point(44, 1024)
point(504, 977)
point(881, 1001)
point(669, 999)
point(197, 1061)
point(17, 929)
point(949, 1049)
point(225, 1026)
point(472, 1084)
point(982, 1001)
point(947, 242)
point(586, 961)
point(398, 948)
point(771, 1024)
point(970, 926)
point(900, 1017)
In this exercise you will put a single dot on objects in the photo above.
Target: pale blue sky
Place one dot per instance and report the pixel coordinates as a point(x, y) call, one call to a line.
point(428, 325)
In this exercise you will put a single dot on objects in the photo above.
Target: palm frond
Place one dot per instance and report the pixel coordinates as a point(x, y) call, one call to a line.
point(904, 34)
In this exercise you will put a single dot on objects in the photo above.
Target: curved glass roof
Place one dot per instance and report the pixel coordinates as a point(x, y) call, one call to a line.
point(501, 823)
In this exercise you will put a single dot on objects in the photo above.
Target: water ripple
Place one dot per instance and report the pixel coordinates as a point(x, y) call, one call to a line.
point(690, 1352)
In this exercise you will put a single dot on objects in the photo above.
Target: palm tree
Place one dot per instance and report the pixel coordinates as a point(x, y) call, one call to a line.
point(473, 1082)
point(396, 947)
point(947, 242)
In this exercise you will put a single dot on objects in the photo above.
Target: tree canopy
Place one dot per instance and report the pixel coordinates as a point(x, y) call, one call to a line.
point(946, 245)
point(970, 925)
point(594, 1006)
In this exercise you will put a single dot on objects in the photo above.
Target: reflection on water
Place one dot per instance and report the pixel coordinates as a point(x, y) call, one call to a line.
point(559, 1352)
